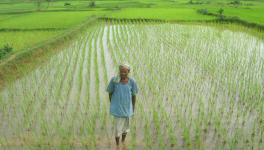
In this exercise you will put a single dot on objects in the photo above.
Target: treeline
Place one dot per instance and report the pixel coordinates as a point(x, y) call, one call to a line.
point(220, 17)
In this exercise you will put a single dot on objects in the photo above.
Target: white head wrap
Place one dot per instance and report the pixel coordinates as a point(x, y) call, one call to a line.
point(117, 77)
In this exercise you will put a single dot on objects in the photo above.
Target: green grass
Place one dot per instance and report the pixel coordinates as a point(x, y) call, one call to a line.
point(41, 21)
point(178, 10)
point(6, 16)
point(31, 6)
point(160, 13)
point(48, 19)
point(21, 40)
point(16, 6)
point(250, 15)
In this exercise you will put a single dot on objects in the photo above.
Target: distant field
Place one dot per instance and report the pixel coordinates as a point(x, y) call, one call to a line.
point(172, 10)
point(20, 15)
point(161, 13)
point(21, 40)
point(44, 26)
point(48, 19)
point(250, 15)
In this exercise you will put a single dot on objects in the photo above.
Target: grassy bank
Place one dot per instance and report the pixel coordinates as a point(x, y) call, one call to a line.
point(22, 62)
point(26, 30)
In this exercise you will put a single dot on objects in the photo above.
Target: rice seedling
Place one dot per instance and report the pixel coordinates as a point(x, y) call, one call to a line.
point(200, 88)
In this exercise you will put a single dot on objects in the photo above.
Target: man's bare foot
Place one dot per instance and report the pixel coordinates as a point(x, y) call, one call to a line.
point(118, 147)
point(124, 146)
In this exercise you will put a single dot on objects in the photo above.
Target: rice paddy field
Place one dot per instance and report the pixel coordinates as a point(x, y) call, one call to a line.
point(50, 19)
point(199, 88)
point(201, 82)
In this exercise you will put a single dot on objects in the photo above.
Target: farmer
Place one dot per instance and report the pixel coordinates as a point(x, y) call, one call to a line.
point(122, 91)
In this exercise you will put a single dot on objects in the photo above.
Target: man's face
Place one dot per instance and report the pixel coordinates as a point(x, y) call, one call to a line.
point(123, 72)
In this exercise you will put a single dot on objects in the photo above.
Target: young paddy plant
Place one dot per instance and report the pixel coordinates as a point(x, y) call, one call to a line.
point(199, 88)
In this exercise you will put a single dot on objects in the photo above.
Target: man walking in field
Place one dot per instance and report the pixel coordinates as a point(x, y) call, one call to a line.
point(122, 91)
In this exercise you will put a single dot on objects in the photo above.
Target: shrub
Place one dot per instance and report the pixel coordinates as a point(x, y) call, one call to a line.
point(67, 4)
point(5, 50)
point(203, 11)
point(221, 13)
point(195, 3)
point(92, 4)
point(235, 2)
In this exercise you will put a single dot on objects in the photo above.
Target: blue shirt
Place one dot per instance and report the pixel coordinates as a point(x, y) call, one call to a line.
point(121, 100)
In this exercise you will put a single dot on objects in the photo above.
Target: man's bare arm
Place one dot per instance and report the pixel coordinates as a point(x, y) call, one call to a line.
point(133, 101)
point(110, 96)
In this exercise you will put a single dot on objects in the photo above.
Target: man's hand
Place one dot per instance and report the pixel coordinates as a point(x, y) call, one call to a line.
point(110, 96)
point(133, 101)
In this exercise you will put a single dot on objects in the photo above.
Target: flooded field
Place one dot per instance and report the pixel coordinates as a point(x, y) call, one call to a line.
point(199, 88)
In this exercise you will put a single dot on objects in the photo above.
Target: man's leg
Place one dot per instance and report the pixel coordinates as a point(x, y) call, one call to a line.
point(118, 131)
point(117, 140)
point(125, 129)
point(124, 136)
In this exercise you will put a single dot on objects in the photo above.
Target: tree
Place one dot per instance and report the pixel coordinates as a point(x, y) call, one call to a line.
point(235, 2)
point(5, 50)
point(49, 1)
point(92, 3)
point(221, 13)
point(38, 3)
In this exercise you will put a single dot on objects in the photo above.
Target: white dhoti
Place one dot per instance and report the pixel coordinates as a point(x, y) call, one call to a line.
point(121, 125)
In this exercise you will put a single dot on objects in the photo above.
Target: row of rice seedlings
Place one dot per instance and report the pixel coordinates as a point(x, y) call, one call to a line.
point(110, 69)
point(45, 123)
point(89, 120)
point(101, 87)
point(76, 113)
point(36, 95)
point(138, 133)
point(43, 101)
point(66, 126)
point(100, 76)
point(65, 135)
point(72, 93)
point(103, 59)
point(84, 104)
point(106, 78)
point(96, 104)
point(138, 115)
point(86, 126)
point(125, 50)
point(97, 94)
point(46, 100)
point(204, 89)
point(128, 56)
point(84, 118)
point(59, 118)
point(109, 44)
point(119, 50)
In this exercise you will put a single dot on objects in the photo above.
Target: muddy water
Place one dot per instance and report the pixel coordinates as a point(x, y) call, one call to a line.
point(198, 88)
